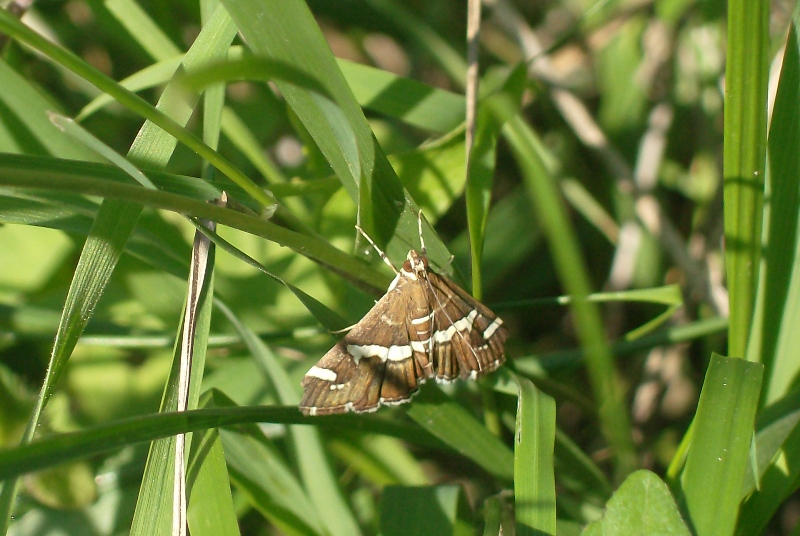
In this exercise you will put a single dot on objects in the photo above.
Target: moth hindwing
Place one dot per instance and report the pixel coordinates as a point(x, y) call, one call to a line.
point(425, 326)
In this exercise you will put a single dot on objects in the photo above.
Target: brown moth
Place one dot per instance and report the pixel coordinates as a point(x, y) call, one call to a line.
point(425, 326)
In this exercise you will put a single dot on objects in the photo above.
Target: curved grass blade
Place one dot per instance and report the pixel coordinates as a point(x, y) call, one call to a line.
point(63, 448)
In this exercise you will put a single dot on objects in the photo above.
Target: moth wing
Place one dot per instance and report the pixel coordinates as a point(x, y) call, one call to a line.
point(468, 338)
point(374, 363)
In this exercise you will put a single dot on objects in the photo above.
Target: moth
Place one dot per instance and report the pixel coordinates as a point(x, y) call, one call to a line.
point(425, 326)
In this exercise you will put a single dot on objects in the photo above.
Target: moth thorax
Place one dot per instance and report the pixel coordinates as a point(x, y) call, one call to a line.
point(415, 264)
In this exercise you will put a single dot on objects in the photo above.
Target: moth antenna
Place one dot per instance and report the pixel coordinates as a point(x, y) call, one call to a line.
point(380, 252)
point(419, 226)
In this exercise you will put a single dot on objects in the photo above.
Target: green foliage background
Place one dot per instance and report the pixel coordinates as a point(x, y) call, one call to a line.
point(619, 146)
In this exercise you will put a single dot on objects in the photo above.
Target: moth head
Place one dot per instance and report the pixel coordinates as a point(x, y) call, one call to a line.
point(416, 265)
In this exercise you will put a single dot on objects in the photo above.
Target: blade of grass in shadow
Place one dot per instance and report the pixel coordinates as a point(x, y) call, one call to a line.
point(534, 479)
point(437, 510)
point(570, 265)
point(444, 418)
point(711, 483)
point(745, 136)
point(316, 473)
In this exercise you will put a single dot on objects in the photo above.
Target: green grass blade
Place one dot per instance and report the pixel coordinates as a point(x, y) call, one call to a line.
point(414, 103)
point(210, 510)
point(775, 334)
point(52, 176)
point(142, 28)
point(777, 463)
point(153, 513)
point(167, 127)
point(63, 448)
point(534, 480)
point(493, 111)
point(571, 268)
point(712, 480)
point(334, 120)
point(25, 115)
point(744, 159)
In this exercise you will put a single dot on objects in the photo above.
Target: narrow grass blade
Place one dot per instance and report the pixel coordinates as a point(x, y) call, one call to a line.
point(494, 111)
point(210, 510)
point(63, 448)
point(410, 101)
point(711, 482)
point(744, 162)
point(25, 113)
point(142, 28)
point(534, 479)
point(775, 334)
point(777, 463)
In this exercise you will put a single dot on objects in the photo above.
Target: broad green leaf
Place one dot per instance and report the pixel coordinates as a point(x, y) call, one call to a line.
point(643, 505)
